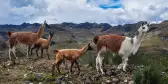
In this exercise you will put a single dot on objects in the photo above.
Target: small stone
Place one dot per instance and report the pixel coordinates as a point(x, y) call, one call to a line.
point(131, 82)
point(125, 81)
point(40, 83)
point(39, 76)
point(63, 82)
point(62, 78)
point(25, 75)
point(162, 73)
point(26, 82)
point(142, 66)
point(108, 82)
point(86, 65)
point(30, 83)
point(108, 73)
point(70, 82)
point(96, 77)
point(66, 75)
point(115, 80)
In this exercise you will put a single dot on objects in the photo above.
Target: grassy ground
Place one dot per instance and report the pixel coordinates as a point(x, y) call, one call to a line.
point(150, 53)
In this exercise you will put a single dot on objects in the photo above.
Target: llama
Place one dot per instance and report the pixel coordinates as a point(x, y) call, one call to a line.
point(123, 46)
point(27, 38)
point(43, 44)
point(69, 54)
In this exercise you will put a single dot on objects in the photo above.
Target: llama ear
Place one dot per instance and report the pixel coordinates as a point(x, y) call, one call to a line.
point(142, 23)
point(148, 24)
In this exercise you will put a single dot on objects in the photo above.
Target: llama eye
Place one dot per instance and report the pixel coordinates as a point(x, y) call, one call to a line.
point(143, 27)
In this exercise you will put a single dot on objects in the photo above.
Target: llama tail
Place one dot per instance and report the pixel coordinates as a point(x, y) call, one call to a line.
point(56, 51)
point(95, 39)
point(9, 34)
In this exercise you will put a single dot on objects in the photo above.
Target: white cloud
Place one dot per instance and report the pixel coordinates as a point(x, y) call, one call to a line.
point(57, 11)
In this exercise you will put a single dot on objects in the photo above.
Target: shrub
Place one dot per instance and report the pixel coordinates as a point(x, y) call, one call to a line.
point(149, 75)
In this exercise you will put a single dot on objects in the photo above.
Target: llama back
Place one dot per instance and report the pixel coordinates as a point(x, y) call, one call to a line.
point(111, 42)
point(23, 37)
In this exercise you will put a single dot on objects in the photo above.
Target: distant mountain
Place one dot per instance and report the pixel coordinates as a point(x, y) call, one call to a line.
point(81, 29)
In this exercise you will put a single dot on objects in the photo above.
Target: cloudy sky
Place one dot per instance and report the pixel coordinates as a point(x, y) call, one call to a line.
point(101, 11)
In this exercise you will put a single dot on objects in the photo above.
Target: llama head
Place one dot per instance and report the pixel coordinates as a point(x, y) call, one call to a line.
point(89, 47)
point(46, 25)
point(51, 34)
point(144, 27)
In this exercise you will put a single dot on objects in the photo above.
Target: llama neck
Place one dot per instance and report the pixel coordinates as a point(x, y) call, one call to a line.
point(83, 50)
point(137, 42)
point(40, 31)
point(49, 39)
point(139, 37)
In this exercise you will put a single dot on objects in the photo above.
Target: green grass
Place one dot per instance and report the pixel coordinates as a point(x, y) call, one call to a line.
point(149, 75)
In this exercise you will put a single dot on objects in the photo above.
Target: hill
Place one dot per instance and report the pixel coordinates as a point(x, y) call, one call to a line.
point(153, 52)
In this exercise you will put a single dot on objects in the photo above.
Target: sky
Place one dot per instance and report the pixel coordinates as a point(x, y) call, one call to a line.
point(114, 12)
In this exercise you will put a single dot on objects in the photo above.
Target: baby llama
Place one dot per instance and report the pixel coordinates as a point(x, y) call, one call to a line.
point(70, 54)
point(43, 44)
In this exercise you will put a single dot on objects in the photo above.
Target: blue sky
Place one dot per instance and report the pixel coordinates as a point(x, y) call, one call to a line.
point(101, 11)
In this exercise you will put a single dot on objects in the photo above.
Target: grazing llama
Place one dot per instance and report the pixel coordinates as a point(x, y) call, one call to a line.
point(124, 46)
point(28, 38)
point(69, 54)
point(43, 44)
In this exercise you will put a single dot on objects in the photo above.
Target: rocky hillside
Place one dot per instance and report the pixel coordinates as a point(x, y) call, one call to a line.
point(73, 28)
point(153, 52)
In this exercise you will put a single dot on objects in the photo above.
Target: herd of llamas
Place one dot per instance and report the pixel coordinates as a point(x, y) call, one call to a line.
point(121, 45)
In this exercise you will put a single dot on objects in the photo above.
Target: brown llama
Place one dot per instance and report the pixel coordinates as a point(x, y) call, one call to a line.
point(27, 38)
point(43, 44)
point(69, 54)
point(122, 45)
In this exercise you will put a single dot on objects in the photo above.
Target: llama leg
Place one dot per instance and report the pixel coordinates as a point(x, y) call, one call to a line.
point(125, 63)
point(65, 63)
point(28, 50)
point(98, 59)
point(32, 50)
point(101, 64)
point(41, 52)
point(14, 52)
point(10, 54)
point(57, 65)
point(48, 54)
point(120, 65)
point(37, 52)
point(72, 62)
point(97, 63)
point(53, 68)
point(77, 65)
